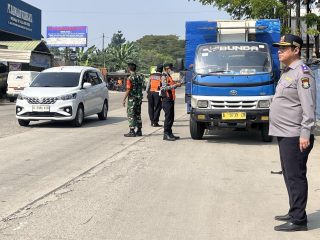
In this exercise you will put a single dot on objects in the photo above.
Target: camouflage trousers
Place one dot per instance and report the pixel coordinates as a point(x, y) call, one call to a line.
point(134, 112)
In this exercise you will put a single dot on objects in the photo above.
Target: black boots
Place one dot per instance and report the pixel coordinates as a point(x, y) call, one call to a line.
point(131, 133)
point(173, 136)
point(168, 137)
point(139, 132)
point(155, 124)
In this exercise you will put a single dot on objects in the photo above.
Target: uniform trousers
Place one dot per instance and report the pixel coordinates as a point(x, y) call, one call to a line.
point(154, 106)
point(168, 108)
point(134, 112)
point(294, 169)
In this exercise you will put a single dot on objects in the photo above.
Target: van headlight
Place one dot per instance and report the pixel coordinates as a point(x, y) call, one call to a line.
point(67, 97)
point(21, 97)
point(264, 104)
point(202, 104)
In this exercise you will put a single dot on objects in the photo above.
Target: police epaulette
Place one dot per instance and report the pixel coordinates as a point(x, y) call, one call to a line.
point(305, 68)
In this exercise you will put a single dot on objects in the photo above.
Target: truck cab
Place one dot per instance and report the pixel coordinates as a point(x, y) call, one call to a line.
point(233, 76)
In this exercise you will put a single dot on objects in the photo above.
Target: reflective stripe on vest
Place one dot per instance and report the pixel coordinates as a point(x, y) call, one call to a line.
point(155, 82)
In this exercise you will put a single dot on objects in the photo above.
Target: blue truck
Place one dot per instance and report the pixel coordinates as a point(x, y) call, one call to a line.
point(231, 73)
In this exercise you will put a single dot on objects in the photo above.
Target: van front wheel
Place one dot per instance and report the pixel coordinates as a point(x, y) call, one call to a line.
point(23, 123)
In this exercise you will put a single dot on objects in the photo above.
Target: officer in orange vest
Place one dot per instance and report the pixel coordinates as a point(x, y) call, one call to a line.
point(154, 99)
point(168, 94)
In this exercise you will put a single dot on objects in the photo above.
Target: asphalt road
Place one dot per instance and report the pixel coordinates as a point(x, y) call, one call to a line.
point(92, 183)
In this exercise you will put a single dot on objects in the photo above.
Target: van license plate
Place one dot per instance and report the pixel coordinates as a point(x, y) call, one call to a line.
point(233, 115)
point(40, 108)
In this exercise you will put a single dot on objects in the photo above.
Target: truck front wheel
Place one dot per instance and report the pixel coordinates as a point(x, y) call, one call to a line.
point(196, 129)
point(265, 133)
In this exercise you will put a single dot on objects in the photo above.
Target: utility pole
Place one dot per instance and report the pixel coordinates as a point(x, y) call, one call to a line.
point(104, 55)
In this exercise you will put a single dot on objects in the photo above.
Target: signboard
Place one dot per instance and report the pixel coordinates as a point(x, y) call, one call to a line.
point(20, 18)
point(65, 36)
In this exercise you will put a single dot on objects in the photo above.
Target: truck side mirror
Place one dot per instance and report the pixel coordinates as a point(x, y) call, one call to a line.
point(180, 64)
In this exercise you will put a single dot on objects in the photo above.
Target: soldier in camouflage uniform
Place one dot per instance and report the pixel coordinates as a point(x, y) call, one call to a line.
point(134, 95)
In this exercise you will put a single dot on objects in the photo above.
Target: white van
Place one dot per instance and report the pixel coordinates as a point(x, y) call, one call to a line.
point(17, 81)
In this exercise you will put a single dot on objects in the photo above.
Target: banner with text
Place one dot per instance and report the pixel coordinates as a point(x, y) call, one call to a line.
point(67, 36)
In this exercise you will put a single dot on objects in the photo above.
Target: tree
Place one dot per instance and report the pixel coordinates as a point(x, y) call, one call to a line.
point(159, 49)
point(313, 23)
point(117, 39)
point(86, 57)
point(239, 9)
point(119, 56)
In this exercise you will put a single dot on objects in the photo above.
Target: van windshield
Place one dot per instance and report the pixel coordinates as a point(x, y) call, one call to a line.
point(56, 79)
point(234, 59)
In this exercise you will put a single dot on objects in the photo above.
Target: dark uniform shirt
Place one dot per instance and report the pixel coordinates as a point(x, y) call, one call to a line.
point(293, 108)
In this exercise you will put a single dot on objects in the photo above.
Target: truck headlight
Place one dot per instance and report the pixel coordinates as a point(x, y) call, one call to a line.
point(202, 103)
point(264, 104)
point(67, 97)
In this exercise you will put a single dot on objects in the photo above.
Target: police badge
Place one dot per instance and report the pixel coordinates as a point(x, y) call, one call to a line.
point(305, 82)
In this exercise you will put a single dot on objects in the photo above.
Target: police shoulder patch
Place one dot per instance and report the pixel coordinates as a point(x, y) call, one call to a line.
point(305, 82)
point(305, 68)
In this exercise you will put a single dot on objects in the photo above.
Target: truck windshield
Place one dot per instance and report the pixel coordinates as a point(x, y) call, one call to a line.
point(233, 59)
point(56, 79)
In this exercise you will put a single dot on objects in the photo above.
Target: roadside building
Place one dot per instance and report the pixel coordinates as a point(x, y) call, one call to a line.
point(21, 47)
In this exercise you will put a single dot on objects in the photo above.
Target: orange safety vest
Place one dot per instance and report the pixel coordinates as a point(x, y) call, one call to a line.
point(155, 82)
point(170, 94)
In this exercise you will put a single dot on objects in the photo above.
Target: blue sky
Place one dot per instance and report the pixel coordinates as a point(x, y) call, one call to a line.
point(134, 18)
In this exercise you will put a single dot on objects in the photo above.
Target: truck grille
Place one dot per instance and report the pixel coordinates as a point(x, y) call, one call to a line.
point(233, 104)
point(46, 100)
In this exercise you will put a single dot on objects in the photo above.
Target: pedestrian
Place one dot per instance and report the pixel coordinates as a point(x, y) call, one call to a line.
point(292, 121)
point(134, 95)
point(154, 99)
point(168, 87)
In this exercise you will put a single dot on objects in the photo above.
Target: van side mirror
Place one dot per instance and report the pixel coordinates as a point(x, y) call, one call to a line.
point(86, 85)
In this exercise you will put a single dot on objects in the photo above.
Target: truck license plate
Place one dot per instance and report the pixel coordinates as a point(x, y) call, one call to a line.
point(233, 115)
point(40, 108)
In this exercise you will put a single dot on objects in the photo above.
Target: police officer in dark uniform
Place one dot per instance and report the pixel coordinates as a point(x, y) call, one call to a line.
point(292, 121)
point(168, 87)
point(154, 98)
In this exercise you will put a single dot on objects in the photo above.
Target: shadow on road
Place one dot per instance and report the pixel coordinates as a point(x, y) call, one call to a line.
point(314, 220)
point(89, 122)
point(249, 137)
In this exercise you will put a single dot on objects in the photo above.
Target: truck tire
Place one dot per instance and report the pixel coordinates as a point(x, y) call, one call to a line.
point(104, 112)
point(78, 120)
point(11, 99)
point(196, 129)
point(265, 133)
point(23, 123)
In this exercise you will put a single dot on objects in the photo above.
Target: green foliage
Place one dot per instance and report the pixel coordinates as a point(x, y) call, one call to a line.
point(119, 56)
point(159, 49)
point(239, 9)
point(117, 39)
point(146, 52)
point(85, 57)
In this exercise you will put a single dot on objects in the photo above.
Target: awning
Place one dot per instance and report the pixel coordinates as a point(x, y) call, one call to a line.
point(15, 56)
point(26, 52)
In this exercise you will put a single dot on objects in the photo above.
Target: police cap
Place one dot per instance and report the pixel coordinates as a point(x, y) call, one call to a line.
point(159, 68)
point(168, 65)
point(289, 40)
